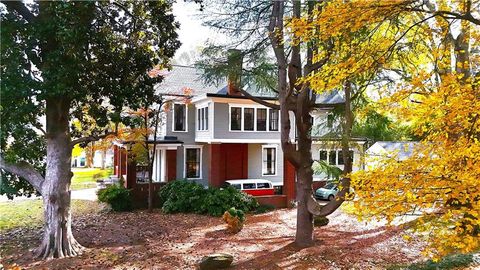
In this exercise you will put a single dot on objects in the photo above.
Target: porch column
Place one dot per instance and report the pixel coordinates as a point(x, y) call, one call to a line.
point(163, 168)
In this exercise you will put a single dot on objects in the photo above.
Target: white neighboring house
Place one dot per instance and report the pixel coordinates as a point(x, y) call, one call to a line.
point(81, 160)
point(382, 150)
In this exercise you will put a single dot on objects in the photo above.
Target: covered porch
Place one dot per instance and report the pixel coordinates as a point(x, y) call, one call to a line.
point(230, 161)
point(136, 176)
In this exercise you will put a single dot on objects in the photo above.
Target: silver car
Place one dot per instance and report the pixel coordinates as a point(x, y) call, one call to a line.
point(328, 192)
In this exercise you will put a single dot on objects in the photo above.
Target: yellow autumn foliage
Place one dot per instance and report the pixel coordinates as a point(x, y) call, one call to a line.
point(436, 91)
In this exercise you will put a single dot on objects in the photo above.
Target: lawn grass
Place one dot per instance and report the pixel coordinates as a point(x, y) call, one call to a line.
point(29, 213)
point(83, 178)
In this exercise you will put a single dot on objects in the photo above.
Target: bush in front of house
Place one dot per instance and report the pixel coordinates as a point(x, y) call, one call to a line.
point(118, 197)
point(235, 219)
point(216, 201)
point(182, 196)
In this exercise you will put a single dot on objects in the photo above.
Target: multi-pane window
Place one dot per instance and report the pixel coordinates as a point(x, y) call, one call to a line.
point(192, 162)
point(261, 119)
point(334, 157)
point(202, 118)
point(323, 155)
point(249, 119)
point(179, 117)
point(269, 157)
point(235, 118)
point(340, 158)
point(273, 120)
point(253, 119)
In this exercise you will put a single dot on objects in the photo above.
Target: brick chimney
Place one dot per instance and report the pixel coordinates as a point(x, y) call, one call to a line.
point(234, 78)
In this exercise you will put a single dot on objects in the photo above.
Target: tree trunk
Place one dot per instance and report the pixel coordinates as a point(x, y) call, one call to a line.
point(103, 157)
point(304, 233)
point(89, 154)
point(58, 240)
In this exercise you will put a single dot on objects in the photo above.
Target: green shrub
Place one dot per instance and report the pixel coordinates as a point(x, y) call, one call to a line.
point(181, 197)
point(319, 221)
point(190, 197)
point(264, 208)
point(118, 197)
point(237, 213)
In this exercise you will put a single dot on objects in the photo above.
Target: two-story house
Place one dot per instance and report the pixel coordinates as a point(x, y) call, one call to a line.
point(220, 135)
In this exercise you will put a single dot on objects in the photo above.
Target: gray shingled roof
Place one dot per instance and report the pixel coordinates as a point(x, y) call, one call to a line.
point(330, 97)
point(187, 76)
point(404, 149)
point(183, 76)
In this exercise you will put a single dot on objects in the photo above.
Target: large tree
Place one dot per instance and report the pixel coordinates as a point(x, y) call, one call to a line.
point(256, 29)
point(58, 57)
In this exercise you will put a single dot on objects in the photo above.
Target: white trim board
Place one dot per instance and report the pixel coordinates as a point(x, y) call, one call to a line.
point(185, 147)
point(186, 117)
point(275, 146)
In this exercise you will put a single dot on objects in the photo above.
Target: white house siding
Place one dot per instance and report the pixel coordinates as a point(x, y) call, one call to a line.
point(357, 155)
point(222, 127)
point(205, 163)
point(255, 163)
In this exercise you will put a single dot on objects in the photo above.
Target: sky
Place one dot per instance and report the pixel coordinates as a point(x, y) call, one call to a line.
point(192, 34)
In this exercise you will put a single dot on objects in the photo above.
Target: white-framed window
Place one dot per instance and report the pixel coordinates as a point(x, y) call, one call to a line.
point(202, 118)
point(193, 162)
point(333, 157)
point(249, 119)
point(253, 118)
point(180, 117)
point(269, 160)
point(273, 121)
point(261, 119)
point(235, 118)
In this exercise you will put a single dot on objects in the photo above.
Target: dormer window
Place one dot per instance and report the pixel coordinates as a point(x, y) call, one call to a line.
point(179, 117)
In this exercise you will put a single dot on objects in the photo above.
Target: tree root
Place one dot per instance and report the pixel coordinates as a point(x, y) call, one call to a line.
point(59, 248)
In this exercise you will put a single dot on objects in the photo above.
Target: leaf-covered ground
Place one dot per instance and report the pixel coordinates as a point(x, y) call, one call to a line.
point(139, 240)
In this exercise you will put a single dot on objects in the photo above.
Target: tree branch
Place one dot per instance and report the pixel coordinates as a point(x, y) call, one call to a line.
point(451, 15)
point(92, 138)
point(25, 171)
point(259, 100)
point(20, 8)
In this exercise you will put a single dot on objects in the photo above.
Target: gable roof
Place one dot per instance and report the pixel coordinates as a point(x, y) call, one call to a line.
point(181, 77)
point(403, 148)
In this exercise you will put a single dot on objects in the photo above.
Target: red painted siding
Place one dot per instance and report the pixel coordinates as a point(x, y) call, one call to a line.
point(236, 160)
point(171, 165)
point(288, 180)
point(228, 161)
point(279, 201)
